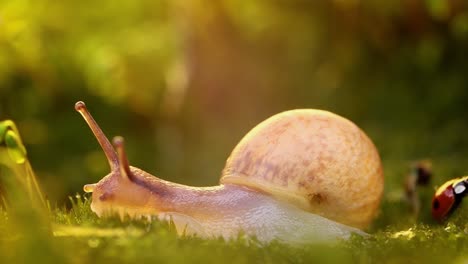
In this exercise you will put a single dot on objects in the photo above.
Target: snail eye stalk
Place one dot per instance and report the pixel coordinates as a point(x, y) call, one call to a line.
point(111, 155)
point(124, 167)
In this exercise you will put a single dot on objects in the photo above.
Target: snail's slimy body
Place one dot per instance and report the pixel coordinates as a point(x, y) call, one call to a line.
point(266, 219)
point(222, 211)
point(299, 176)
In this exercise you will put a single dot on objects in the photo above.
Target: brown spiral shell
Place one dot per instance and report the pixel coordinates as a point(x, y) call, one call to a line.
point(314, 159)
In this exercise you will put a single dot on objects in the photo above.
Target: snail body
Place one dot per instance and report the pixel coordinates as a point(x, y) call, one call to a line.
point(299, 176)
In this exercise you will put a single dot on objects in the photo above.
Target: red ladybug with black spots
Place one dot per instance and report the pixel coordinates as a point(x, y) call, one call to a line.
point(448, 197)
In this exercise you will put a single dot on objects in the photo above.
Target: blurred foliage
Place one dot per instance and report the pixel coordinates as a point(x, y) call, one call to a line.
point(183, 81)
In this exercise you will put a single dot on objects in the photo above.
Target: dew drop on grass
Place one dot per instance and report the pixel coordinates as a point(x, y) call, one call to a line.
point(15, 148)
point(93, 242)
point(406, 234)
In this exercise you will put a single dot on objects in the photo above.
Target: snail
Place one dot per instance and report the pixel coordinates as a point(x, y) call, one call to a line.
point(299, 176)
point(448, 197)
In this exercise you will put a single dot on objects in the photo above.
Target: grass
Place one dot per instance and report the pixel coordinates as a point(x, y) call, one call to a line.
point(74, 234)
point(78, 236)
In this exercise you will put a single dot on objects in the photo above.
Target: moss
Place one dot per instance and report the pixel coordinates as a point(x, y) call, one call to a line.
point(80, 237)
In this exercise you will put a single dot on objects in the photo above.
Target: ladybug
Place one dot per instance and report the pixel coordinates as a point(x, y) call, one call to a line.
point(448, 197)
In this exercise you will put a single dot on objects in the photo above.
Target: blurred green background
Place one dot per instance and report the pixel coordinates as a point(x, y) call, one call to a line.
point(183, 81)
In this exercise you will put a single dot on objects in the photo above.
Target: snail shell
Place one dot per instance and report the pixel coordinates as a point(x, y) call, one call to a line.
point(314, 159)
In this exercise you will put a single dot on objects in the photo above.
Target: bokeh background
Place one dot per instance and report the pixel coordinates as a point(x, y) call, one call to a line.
point(183, 81)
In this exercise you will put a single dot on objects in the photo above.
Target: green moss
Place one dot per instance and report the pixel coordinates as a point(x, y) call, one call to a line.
point(79, 236)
